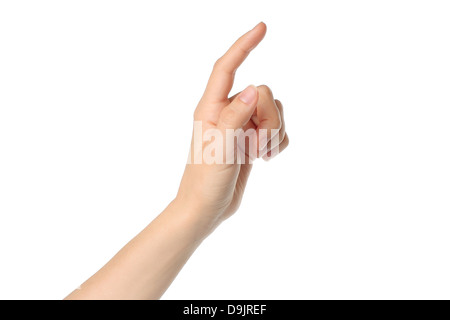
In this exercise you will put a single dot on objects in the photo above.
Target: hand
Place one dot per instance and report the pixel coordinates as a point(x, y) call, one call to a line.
point(214, 190)
point(209, 192)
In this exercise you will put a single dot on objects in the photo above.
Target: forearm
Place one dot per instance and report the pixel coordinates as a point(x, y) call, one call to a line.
point(209, 192)
point(148, 264)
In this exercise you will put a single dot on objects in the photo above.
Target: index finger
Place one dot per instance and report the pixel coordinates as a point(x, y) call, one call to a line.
point(221, 80)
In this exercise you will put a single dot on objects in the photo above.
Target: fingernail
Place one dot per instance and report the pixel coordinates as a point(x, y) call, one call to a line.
point(248, 96)
point(257, 25)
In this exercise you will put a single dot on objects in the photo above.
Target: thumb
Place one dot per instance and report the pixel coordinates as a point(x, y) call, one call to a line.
point(240, 110)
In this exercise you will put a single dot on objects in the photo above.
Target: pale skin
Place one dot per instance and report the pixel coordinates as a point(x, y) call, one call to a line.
point(208, 193)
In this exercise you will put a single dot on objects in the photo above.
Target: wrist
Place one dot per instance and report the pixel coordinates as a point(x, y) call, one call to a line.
point(195, 217)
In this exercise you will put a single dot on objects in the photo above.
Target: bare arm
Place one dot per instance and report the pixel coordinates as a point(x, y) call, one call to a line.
point(208, 193)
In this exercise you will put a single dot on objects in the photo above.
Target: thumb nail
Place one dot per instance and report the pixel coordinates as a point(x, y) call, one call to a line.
point(248, 96)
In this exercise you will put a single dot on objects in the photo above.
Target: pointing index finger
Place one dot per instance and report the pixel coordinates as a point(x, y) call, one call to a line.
point(222, 77)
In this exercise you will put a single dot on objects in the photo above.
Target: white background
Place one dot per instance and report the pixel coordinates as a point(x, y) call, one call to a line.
point(96, 103)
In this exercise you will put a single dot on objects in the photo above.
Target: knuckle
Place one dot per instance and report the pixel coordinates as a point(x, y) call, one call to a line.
point(218, 63)
point(220, 66)
point(279, 104)
point(277, 124)
point(197, 114)
point(264, 89)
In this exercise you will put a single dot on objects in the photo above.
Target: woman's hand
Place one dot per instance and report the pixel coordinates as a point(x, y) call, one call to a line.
point(210, 191)
point(212, 185)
